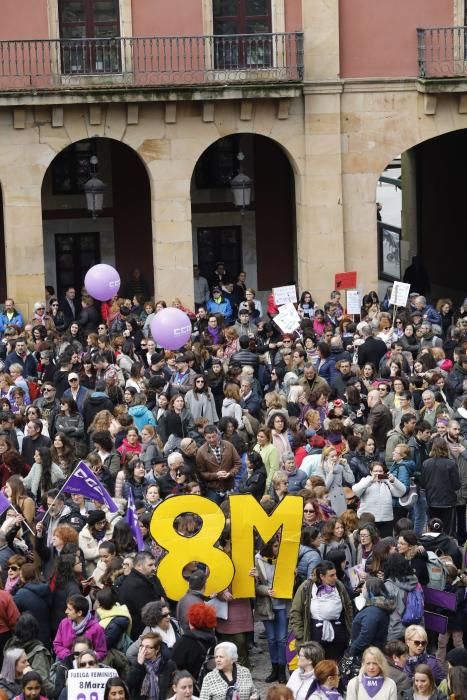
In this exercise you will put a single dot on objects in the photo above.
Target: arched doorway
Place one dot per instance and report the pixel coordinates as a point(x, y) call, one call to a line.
point(423, 194)
point(119, 235)
point(259, 239)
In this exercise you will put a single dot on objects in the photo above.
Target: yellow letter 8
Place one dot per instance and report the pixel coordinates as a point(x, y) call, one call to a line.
point(182, 550)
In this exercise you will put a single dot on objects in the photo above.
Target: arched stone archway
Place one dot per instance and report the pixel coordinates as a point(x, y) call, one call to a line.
point(120, 235)
point(432, 215)
point(261, 240)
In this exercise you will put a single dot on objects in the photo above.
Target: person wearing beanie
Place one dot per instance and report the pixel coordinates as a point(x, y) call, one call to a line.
point(96, 531)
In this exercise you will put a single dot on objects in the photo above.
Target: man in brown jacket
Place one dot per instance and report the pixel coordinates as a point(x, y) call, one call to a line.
point(217, 462)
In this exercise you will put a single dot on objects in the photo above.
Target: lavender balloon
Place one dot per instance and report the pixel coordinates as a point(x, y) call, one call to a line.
point(171, 328)
point(102, 282)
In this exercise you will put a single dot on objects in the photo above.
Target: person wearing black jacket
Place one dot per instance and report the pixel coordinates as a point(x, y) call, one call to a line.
point(141, 586)
point(254, 477)
point(440, 479)
point(372, 349)
point(436, 540)
point(190, 650)
point(139, 676)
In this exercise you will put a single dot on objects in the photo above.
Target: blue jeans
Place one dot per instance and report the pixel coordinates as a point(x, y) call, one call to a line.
point(418, 513)
point(214, 496)
point(276, 633)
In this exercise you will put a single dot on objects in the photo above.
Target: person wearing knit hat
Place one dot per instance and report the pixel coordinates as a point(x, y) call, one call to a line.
point(96, 530)
point(95, 516)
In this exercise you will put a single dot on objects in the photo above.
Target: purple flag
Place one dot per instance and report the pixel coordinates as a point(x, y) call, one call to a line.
point(4, 503)
point(85, 483)
point(132, 520)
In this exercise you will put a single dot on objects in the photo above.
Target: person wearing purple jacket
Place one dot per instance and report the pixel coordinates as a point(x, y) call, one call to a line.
point(417, 640)
point(79, 621)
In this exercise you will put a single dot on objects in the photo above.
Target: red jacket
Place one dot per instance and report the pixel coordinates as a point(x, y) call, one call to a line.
point(9, 613)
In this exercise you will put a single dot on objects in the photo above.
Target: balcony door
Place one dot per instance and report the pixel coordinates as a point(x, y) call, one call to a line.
point(242, 17)
point(88, 31)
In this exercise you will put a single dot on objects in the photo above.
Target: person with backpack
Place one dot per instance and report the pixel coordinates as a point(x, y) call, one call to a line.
point(370, 625)
point(455, 628)
point(407, 545)
point(417, 641)
point(403, 586)
point(194, 650)
point(436, 540)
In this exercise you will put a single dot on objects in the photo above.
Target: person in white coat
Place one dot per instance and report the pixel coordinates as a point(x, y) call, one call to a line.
point(376, 493)
point(373, 682)
point(300, 680)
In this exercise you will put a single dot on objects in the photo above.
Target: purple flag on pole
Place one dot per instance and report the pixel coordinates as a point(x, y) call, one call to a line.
point(85, 483)
point(4, 503)
point(132, 520)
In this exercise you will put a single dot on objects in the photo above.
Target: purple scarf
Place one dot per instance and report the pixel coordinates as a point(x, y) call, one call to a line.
point(372, 684)
point(324, 590)
point(214, 333)
point(330, 693)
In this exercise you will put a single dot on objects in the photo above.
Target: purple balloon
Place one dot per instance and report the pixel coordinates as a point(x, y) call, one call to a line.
point(171, 328)
point(102, 282)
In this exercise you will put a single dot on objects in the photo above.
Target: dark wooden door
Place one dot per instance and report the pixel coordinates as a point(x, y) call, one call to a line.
point(220, 243)
point(74, 255)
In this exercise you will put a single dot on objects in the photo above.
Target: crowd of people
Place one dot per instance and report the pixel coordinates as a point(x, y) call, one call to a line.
point(363, 418)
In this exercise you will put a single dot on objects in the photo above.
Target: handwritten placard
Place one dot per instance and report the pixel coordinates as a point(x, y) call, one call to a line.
point(285, 295)
point(354, 305)
point(287, 319)
point(399, 294)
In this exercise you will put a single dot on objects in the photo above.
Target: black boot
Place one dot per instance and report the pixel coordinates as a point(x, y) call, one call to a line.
point(273, 675)
point(281, 677)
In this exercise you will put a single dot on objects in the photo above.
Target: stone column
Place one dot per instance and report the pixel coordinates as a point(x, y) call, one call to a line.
point(320, 237)
point(409, 208)
point(24, 253)
point(171, 230)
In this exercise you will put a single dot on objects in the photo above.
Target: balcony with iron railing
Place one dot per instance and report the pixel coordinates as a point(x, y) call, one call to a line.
point(155, 62)
point(442, 53)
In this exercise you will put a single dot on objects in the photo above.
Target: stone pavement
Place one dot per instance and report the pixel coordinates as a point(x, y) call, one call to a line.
point(259, 661)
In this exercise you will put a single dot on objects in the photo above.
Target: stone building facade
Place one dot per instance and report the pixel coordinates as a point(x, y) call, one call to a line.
point(339, 122)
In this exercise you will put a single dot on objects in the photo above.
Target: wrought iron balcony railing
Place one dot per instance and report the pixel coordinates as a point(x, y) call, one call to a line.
point(442, 52)
point(46, 64)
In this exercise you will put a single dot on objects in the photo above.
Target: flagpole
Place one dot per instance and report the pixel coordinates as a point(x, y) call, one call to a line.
point(24, 522)
point(58, 494)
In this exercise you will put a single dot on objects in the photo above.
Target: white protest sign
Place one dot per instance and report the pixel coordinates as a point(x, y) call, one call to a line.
point(399, 294)
point(287, 319)
point(285, 295)
point(353, 302)
point(88, 683)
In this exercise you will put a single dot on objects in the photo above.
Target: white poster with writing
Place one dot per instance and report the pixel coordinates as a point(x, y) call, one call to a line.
point(399, 294)
point(287, 319)
point(353, 302)
point(285, 295)
point(88, 683)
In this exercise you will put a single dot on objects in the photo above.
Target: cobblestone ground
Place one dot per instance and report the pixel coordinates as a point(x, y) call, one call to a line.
point(259, 661)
